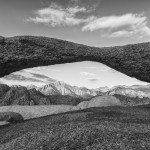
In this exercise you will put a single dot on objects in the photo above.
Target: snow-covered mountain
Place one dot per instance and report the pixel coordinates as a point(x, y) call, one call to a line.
point(61, 88)
point(133, 91)
point(49, 86)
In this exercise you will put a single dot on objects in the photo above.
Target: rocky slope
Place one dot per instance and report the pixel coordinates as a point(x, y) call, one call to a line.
point(130, 92)
point(100, 101)
point(22, 52)
point(19, 95)
point(131, 95)
point(61, 88)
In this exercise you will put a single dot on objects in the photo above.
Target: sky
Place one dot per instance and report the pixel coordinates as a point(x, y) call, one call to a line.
point(99, 23)
point(91, 22)
point(82, 74)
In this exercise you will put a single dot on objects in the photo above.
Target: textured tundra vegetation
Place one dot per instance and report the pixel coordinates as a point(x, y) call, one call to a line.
point(109, 128)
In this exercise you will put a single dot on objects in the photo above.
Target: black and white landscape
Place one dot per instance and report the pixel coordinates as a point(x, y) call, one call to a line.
point(74, 75)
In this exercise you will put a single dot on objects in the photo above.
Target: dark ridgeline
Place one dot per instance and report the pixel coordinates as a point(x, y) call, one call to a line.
point(22, 52)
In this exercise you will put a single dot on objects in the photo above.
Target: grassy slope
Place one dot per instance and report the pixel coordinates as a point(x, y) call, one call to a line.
point(29, 112)
point(110, 128)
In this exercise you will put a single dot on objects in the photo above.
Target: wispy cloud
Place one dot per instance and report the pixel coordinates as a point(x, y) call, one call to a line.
point(94, 80)
point(87, 74)
point(119, 26)
point(125, 25)
point(1, 82)
point(55, 70)
point(56, 15)
point(90, 68)
point(17, 77)
point(41, 76)
point(46, 68)
point(102, 69)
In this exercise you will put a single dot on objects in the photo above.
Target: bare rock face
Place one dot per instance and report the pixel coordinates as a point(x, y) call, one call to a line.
point(22, 52)
point(21, 96)
point(3, 89)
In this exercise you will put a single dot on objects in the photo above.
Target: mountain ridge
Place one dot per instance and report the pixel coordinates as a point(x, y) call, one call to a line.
point(61, 93)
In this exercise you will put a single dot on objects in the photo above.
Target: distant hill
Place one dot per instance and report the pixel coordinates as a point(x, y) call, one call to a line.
point(132, 101)
point(140, 92)
point(22, 52)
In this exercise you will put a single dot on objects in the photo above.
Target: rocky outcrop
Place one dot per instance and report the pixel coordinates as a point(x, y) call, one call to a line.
point(10, 117)
point(20, 95)
point(3, 89)
point(100, 101)
point(22, 52)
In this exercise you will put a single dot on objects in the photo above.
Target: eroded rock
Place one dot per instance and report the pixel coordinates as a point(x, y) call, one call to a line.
point(23, 52)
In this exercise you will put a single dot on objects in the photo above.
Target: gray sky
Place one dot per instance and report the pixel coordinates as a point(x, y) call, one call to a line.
point(90, 22)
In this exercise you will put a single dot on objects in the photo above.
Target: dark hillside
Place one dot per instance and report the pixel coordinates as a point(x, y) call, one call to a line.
point(65, 100)
point(22, 52)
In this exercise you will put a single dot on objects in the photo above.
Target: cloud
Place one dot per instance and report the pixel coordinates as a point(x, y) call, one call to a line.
point(17, 77)
point(87, 74)
point(46, 68)
point(36, 74)
point(102, 69)
point(41, 76)
point(55, 70)
point(79, 12)
point(1, 82)
point(120, 26)
point(93, 80)
point(90, 67)
point(90, 4)
point(56, 15)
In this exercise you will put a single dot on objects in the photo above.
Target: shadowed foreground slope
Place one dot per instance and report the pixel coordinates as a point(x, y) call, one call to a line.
point(112, 128)
point(22, 52)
